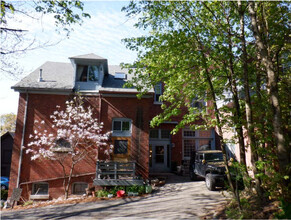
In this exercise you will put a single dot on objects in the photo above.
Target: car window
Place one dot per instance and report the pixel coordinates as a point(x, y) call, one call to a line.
point(214, 157)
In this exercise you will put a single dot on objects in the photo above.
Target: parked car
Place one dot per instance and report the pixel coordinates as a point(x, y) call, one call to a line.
point(208, 164)
point(4, 182)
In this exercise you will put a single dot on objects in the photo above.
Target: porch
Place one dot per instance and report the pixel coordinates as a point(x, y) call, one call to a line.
point(116, 174)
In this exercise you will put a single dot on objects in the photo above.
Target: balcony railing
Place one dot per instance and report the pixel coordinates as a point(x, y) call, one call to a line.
point(116, 174)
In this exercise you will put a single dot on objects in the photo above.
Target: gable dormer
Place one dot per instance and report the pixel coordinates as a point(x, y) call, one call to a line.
point(89, 71)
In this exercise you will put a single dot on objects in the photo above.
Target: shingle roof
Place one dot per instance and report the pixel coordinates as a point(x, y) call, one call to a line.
point(60, 76)
point(55, 76)
point(90, 56)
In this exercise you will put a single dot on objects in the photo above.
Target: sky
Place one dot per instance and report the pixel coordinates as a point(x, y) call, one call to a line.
point(102, 35)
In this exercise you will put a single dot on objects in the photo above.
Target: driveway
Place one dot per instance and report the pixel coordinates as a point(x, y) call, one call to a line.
point(178, 199)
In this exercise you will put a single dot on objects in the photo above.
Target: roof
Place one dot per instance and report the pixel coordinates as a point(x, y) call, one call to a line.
point(58, 76)
point(8, 133)
point(90, 56)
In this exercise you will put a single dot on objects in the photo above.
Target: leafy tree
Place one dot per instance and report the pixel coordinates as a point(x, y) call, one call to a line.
point(8, 123)
point(77, 135)
point(205, 50)
point(16, 41)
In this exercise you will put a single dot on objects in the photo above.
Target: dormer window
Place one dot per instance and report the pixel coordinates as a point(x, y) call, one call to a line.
point(158, 93)
point(87, 73)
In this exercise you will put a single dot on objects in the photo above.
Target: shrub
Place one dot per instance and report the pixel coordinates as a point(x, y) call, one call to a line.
point(29, 202)
point(102, 193)
point(4, 194)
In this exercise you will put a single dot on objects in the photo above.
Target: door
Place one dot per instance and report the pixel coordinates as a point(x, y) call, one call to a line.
point(159, 157)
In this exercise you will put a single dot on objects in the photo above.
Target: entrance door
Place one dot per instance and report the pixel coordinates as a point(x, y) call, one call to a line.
point(159, 157)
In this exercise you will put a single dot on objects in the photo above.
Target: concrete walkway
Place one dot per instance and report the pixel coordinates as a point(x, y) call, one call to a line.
point(178, 199)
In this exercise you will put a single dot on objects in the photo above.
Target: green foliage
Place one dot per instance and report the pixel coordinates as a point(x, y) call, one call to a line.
point(285, 210)
point(7, 123)
point(114, 190)
point(4, 194)
point(196, 49)
point(102, 193)
point(27, 203)
point(136, 188)
point(233, 212)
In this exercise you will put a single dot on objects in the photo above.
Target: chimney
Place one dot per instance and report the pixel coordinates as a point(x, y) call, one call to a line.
point(40, 76)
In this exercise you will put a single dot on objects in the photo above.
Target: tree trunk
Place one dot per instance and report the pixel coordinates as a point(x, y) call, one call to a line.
point(69, 181)
point(282, 150)
point(237, 109)
point(248, 104)
point(220, 133)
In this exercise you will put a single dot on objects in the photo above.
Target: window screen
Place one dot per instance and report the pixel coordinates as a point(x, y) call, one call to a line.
point(120, 146)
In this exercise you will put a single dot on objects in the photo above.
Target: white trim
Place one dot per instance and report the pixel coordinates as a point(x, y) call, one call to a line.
point(116, 133)
point(39, 197)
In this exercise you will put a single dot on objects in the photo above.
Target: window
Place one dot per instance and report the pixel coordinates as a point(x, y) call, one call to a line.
point(158, 93)
point(165, 134)
point(79, 188)
point(159, 134)
point(188, 133)
point(87, 73)
point(120, 146)
point(189, 146)
point(120, 75)
point(154, 133)
point(199, 104)
point(121, 127)
point(40, 188)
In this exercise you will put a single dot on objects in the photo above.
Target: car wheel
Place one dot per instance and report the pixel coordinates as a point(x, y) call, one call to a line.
point(3, 187)
point(209, 182)
point(193, 176)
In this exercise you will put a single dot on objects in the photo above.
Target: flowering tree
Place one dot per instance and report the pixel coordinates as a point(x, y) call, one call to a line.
point(76, 135)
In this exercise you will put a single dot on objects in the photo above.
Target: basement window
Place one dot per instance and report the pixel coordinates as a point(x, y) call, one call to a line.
point(40, 190)
point(79, 188)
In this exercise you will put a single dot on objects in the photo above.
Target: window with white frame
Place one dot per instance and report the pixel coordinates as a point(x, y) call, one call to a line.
point(40, 188)
point(87, 73)
point(79, 188)
point(121, 127)
point(158, 93)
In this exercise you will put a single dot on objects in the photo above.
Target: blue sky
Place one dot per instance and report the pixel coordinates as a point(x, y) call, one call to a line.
point(101, 35)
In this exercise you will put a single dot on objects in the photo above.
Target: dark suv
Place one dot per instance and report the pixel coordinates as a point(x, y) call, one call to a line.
point(208, 164)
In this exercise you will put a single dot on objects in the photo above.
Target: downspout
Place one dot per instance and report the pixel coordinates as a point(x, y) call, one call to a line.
point(22, 141)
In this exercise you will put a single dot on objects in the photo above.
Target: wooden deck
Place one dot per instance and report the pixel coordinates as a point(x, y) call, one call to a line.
point(116, 174)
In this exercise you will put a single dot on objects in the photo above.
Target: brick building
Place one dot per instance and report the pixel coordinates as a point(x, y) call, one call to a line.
point(152, 149)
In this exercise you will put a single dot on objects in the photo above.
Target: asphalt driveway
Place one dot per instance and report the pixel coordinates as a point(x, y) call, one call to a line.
point(178, 199)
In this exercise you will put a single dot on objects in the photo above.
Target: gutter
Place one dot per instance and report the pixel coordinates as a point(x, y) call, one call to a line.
point(22, 141)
